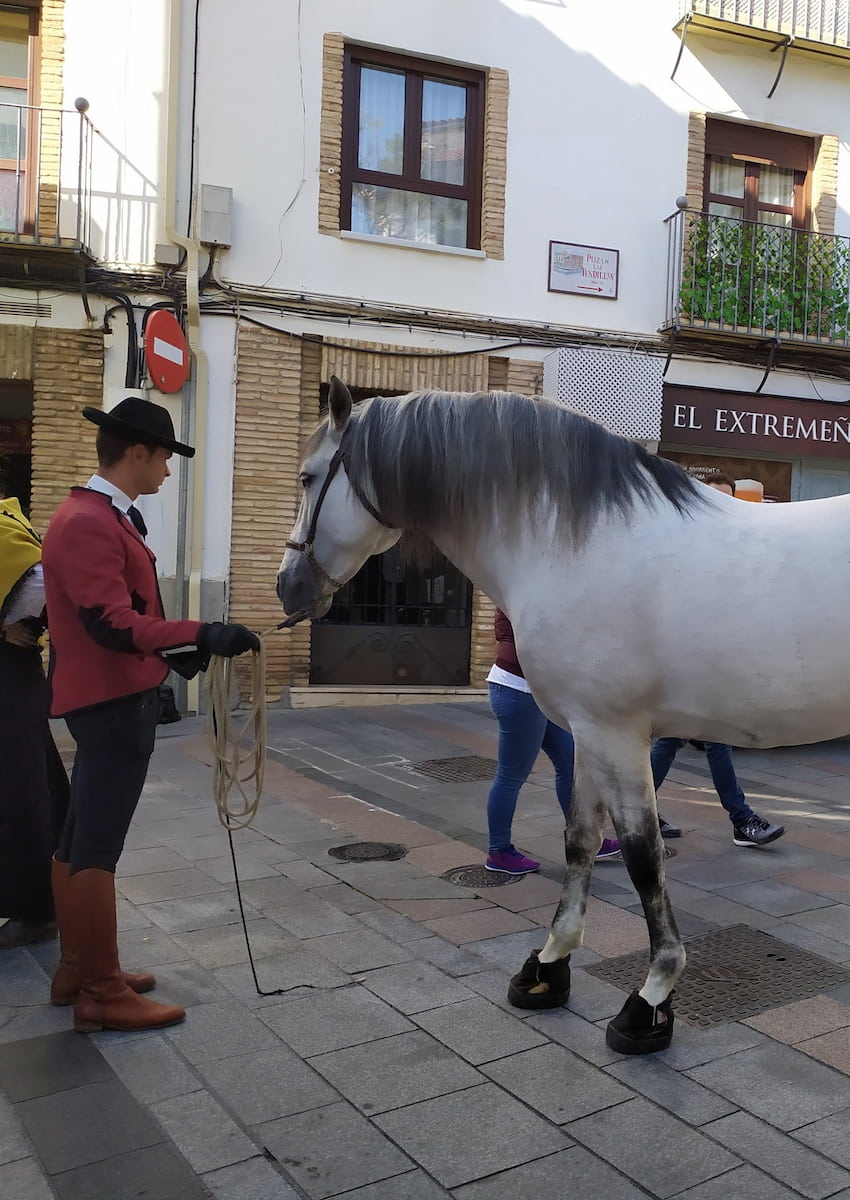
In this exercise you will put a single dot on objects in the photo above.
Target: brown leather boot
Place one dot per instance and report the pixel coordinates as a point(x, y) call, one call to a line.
point(65, 985)
point(105, 1001)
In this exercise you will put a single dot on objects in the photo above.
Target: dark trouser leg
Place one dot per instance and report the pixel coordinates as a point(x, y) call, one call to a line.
point(521, 729)
point(558, 745)
point(661, 756)
point(726, 784)
point(114, 745)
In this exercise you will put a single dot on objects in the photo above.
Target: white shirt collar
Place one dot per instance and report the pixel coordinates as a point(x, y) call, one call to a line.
point(119, 499)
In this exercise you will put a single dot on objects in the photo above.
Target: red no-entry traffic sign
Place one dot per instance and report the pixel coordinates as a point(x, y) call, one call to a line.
point(166, 352)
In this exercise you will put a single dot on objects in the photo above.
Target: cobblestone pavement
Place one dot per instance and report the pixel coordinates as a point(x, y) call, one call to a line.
point(383, 1062)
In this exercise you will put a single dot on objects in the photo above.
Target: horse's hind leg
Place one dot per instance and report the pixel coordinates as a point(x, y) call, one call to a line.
point(544, 981)
point(645, 1023)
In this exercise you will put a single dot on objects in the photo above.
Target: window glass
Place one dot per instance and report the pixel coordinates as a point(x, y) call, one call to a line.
point(413, 216)
point(381, 137)
point(725, 210)
point(776, 186)
point(443, 131)
point(726, 177)
point(14, 44)
point(13, 123)
point(775, 218)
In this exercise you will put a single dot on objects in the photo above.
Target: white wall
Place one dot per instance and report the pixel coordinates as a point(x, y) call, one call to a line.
point(597, 142)
point(115, 56)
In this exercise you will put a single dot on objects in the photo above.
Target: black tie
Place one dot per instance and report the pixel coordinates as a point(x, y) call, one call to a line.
point(137, 519)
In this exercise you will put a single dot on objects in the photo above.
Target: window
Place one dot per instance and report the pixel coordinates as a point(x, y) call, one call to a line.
point(18, 29)
point(757, 174)
point(412, 149)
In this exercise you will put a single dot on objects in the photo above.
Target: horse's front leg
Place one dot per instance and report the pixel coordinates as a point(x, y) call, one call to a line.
point(622, 773)
point(544, 981)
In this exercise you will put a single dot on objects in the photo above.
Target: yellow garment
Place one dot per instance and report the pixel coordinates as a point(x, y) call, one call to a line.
point(20, 546)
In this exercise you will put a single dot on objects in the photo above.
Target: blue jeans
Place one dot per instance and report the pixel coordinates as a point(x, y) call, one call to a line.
point(523, 732)
point(723, 775)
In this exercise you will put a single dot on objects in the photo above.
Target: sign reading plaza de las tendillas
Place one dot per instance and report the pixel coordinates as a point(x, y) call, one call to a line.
point(584, 270)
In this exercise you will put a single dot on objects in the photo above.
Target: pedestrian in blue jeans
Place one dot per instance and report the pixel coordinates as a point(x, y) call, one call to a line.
point(523, 732)
point(748, 828)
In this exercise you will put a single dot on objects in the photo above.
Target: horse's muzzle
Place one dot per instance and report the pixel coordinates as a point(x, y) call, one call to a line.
point(298, 592)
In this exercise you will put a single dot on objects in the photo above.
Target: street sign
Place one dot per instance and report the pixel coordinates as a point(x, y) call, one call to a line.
point(166, 352)
point(584, 270)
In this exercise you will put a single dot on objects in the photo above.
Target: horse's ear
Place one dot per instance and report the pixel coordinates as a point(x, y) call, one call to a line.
point(340, 403)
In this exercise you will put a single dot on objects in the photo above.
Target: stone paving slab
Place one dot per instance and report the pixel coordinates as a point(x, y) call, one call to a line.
point(332, 1149)
point(787, 1162)
point(679, 1156)
point(477, 1132)
point(396, 1071)
point(778, 1084)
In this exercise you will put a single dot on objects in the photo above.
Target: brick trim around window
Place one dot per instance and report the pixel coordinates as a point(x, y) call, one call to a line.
point(495, 148)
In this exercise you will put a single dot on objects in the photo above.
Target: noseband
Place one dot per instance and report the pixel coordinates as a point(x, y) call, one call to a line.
point(306, 547)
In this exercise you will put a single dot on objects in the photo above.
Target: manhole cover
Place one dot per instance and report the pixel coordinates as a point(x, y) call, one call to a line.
point(465, 769)
point(478, 877)
point(732, 974)
point(368, 851)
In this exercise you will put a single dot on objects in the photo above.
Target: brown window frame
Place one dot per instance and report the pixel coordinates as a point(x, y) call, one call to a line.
point(29, 161)
point(757, 147)
point(415, 70)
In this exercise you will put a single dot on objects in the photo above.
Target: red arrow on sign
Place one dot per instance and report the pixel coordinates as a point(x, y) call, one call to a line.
point(583, 288)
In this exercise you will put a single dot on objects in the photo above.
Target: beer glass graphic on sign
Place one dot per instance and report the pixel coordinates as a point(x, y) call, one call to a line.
point(749, 489)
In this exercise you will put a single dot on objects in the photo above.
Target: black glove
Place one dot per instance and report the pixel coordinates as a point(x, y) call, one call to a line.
point(226, 640)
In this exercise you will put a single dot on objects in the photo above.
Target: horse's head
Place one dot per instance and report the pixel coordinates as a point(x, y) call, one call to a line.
point(337, 528)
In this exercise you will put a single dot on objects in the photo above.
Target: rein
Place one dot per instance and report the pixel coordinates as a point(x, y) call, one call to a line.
point(340, 459)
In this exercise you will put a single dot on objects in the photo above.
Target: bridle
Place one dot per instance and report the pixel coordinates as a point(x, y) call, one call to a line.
point(340, 459)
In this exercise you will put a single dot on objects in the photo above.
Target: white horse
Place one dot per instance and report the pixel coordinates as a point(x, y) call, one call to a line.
point(643, 604)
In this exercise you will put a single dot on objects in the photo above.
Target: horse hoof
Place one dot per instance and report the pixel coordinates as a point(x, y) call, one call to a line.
point(541, 985)
point(638, 1028)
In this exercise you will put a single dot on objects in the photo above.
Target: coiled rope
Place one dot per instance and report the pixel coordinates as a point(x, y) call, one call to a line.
point(239, 746)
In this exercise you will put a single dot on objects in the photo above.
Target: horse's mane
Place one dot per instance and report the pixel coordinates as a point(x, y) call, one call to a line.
point(442, 457)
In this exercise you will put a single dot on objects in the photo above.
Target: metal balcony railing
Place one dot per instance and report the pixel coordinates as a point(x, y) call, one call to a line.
point(822, 21)
point(45, 177)
point(743, 277)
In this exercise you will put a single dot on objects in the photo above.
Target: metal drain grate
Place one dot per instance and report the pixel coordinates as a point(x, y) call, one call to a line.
point(368, 851)
point(464, 769)
point(732, 974)
point(478, 877)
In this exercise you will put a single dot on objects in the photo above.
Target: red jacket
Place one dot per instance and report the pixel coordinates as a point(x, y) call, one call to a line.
point(104, 608)
point(506, 651)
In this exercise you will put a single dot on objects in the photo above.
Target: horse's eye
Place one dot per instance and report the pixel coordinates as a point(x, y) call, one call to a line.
point(306, 479)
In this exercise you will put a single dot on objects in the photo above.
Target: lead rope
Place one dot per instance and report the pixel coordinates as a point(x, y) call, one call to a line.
point(230, 759)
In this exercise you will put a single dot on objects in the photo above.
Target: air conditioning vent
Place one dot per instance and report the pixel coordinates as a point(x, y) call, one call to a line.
point(26, 308)
point(620, 388)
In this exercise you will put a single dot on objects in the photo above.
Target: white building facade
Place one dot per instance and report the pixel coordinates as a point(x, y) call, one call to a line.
point(643, 210)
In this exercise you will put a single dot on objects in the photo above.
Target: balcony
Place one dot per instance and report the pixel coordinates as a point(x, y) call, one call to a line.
point(68, 194)
point(728, 278)
point(45, 189)
point(819, 25)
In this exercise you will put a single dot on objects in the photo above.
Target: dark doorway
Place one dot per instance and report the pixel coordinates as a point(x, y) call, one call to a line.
point(395, 623)
point(16, 439)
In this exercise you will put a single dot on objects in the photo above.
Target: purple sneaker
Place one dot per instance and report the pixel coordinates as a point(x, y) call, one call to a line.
point(511, 862)
point(610, 848)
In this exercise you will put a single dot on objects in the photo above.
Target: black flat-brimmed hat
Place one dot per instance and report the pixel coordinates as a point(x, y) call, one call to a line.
point(139, 420)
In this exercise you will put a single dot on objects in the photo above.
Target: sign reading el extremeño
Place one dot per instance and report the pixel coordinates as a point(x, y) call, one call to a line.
point(735, 421)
